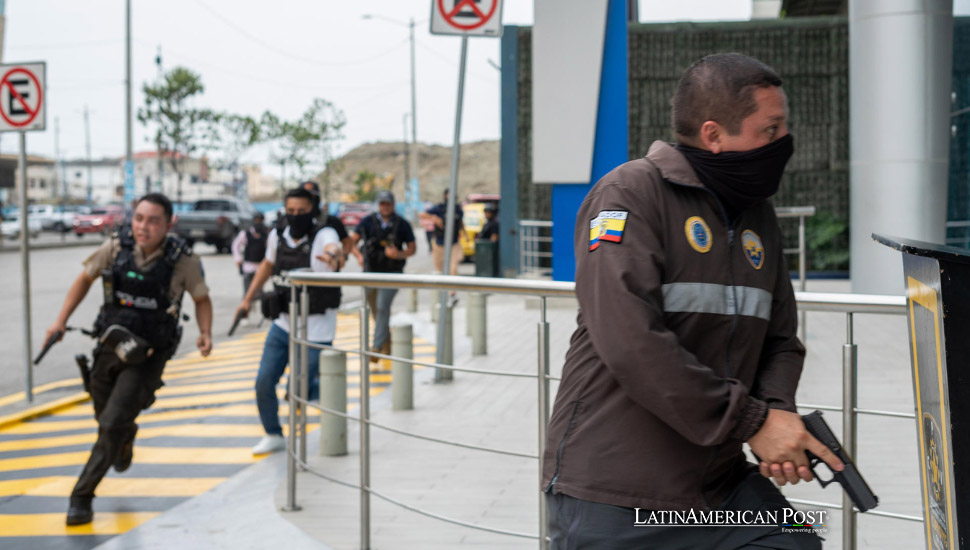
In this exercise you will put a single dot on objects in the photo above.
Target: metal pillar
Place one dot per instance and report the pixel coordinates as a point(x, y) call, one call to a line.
point(900, 72)
point(25, 267)
point(291, 505)
point(849, 401)
point(364, 431)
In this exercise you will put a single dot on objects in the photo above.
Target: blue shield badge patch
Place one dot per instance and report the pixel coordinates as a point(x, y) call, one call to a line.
point(753, 249)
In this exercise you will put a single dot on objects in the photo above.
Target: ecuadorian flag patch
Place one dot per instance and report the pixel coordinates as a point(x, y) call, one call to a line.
point(607, 226)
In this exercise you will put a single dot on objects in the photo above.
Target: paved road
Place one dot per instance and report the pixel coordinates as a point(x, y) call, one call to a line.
point(52, 272)
point(197, 434)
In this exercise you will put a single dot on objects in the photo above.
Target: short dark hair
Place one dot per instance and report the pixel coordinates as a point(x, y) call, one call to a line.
point(300, 193)
point(160, 200)
point(718, 87)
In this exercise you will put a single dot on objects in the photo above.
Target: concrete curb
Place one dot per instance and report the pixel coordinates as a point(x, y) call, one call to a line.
point(47, 246)
point(43, 410)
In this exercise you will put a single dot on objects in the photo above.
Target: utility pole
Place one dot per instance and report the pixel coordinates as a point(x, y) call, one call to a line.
point(87, 144)
point(407, 159)
point(129, 167)
point(414, 137)
point(161, 156)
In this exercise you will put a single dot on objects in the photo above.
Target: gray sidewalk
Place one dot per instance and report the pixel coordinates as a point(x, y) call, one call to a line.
point(502, 491)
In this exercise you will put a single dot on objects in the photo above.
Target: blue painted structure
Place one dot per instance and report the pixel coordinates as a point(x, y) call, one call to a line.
point(610, 146)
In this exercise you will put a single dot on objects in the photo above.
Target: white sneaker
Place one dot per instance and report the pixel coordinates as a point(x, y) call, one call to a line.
point(269, 444)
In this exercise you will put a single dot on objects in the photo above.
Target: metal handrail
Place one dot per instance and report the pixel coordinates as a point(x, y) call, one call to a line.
point(848, 304)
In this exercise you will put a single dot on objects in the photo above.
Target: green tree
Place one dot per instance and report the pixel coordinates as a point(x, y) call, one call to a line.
point(365, 186)
point(181, 129)
point(236, 135)
point(298, 142)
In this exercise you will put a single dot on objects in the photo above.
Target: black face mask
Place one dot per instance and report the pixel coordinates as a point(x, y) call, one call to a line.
point(300, 224)
point(741, 178)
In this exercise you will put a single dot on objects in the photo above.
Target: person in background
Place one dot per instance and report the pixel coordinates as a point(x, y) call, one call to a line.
point(490, 231)
point(388, 241)
point(297, 242)
point(249, 249)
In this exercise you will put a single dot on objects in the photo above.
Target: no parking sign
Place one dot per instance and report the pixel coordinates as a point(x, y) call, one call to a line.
point(22, 97)
point(467, 17)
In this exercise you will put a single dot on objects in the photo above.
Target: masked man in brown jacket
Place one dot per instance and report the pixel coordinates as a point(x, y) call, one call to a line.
point(686, 345)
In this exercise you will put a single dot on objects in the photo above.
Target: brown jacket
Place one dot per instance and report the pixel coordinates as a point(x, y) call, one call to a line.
point(686, 336)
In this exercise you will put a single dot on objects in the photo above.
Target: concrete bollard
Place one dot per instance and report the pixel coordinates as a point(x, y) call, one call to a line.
point(413, 301)
point(477, 318)
point(333, 395)
point(402, 374)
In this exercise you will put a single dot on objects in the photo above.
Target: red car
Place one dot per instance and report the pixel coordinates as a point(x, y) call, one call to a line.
point(101, 219)
point(352, 212)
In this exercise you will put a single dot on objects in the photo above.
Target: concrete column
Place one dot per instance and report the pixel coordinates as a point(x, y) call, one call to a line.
point(333, 395)
point(402, 374)
point(477, 319)
point(900, 71)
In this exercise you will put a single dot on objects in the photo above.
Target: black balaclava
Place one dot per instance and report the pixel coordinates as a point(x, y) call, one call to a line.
point(741, 178)
point(300, 224)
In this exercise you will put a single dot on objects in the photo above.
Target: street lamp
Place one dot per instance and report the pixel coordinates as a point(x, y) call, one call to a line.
point(414, 107)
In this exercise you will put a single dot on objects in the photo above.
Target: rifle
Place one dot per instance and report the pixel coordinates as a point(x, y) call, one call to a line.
point(240, 315)
point(849, 478)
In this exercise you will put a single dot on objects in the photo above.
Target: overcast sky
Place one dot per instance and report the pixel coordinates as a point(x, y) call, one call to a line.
point(258, 55)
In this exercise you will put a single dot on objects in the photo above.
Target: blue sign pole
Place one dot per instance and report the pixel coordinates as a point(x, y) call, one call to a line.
point(129, 182)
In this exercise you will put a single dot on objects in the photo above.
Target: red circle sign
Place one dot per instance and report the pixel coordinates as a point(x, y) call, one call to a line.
point(450, 16)
point(5, 82)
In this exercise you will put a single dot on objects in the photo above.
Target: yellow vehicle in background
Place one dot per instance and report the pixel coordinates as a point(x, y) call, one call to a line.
point(474, 220)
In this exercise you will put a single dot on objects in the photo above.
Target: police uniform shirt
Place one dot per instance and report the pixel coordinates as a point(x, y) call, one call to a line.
point(321, 327)
point(187, 275)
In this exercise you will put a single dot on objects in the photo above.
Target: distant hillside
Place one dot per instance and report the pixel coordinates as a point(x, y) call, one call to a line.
point(478, 170)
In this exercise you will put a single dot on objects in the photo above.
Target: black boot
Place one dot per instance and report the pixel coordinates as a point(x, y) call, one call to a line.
point(79, 512)
point(127, 452)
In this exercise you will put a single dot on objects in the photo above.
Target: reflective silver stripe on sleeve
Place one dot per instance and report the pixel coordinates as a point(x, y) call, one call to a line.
point(717, 299)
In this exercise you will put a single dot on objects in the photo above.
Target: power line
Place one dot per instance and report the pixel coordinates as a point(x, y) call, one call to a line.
point(256, 78)
point(285, 53)
point(64, 44)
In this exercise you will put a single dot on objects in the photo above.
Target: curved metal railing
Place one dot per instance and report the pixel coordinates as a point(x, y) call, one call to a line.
point(849, 304)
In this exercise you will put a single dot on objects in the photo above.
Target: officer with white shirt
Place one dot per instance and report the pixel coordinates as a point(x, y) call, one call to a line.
point(304, 245)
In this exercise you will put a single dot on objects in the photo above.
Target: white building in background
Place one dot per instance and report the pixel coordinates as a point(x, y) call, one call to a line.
point(106, 180)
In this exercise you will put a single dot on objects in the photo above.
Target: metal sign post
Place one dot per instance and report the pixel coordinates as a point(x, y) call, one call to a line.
point(22, 102)
point(463, 18)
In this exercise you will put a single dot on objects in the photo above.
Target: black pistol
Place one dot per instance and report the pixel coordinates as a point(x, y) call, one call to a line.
point(48, 345)
point(235, 322)
point(849, 478)
point(82, 364)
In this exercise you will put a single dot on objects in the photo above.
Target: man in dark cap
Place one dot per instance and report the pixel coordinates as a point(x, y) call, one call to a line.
point(388, 241)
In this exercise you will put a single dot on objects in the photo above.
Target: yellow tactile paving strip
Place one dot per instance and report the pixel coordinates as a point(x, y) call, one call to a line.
point(197, 434)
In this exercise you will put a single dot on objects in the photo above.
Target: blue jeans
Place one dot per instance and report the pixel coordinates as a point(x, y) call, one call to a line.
point(379, 300)
point(276, 354)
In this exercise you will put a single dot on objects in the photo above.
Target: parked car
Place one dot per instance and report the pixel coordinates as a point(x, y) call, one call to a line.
point(215, 221)
point(10, 226)
point(350, 213)
point(53, 217)
point(99, 219)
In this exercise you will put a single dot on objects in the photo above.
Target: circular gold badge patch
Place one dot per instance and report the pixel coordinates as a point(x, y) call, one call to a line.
point(698, 234)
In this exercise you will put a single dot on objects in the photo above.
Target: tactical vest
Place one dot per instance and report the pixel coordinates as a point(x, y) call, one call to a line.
point(375, 259)
point(255, 249)
point(138, 299)
point(287, 258)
